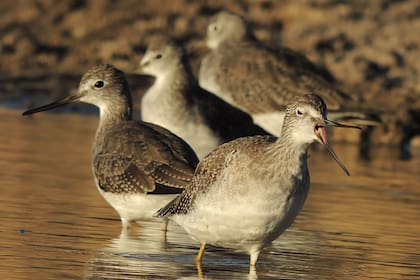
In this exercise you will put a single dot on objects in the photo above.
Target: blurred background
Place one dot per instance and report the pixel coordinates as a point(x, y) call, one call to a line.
point(371, 47)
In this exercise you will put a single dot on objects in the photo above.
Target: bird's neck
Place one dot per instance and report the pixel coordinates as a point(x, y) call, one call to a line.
point(171, 89)
point(288, 157)
point(112, 114)
point(179, 79)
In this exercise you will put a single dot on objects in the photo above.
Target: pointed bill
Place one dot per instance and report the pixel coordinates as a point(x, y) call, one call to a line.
point(339, 162)
point(337, 124)
point(321, 133)
point(52, 105)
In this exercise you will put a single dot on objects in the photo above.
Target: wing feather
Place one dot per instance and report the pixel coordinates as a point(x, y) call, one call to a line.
point(208, 172)
point(271, 80)
point(144, 159)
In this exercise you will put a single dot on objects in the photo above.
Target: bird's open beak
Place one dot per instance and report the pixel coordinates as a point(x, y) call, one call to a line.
point(337, 124)
point(321, 133)
point(55, 104)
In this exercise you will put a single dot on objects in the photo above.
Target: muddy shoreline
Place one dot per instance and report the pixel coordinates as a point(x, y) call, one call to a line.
point(370, 47)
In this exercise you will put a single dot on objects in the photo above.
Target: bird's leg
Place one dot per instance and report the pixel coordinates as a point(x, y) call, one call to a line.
point(199, 270)
point(164, 229)
point(253, 260)
point(252, 273)
point(125, 225)
point(200, 252)
point(165, 225)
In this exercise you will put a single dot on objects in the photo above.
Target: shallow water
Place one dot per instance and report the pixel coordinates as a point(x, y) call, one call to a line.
point(55, 224)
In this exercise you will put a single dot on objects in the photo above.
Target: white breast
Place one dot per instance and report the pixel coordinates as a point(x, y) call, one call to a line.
point(208, 73)
point(186, 123)
point(242, 212)
point(154, 105)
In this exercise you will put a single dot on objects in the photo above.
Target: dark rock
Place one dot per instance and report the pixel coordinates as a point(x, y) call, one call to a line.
point(399, 59)
point(393, 83)
point(266, 5)
point(339, 43)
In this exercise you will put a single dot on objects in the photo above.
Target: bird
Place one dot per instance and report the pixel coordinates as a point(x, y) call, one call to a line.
point(176, 101)
point(262, 81)
point(248, 191)
point(138, 167)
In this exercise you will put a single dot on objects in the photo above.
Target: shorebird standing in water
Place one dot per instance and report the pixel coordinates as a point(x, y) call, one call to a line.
point(247, 192)
point(138, 167)
point(176, 101)
point(261, 81)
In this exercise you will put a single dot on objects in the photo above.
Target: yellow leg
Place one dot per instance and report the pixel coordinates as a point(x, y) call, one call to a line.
point(253, 259)
point(125, 225)
point(164, 229)
point(165, 225)
point(252, 273)
point(200, 252)
point(199, 270)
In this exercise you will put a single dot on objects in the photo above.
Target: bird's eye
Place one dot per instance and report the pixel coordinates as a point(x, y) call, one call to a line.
point(299, 112)
point(158, 56)
point(213, 27)
point(99, 84)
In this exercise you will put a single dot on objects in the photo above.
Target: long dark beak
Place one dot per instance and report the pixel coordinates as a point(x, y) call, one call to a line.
point(334, 155)
point(320, 131)
point(337, 124)
point(55, 104)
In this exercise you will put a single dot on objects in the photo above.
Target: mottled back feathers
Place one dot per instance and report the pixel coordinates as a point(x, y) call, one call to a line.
point(143, 158)
point(260, 80)
point(210, 168)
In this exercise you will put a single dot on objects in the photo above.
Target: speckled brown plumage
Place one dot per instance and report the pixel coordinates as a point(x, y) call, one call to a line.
point(138, 166)
point(176, 101)
point(210, 167)
point(248, 191)
point(260, 80)
point(141, 157)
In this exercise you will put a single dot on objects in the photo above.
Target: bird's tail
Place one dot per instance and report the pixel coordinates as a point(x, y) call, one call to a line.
point(169, 209)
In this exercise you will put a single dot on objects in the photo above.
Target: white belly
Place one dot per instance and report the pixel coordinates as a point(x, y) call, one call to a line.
point(241, 219)
point(134, 207)
point(271, 122)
